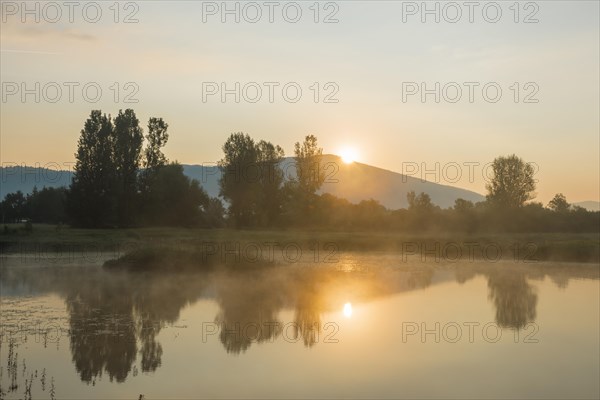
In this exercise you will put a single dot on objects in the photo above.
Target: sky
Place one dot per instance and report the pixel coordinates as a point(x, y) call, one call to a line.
point(361, 75)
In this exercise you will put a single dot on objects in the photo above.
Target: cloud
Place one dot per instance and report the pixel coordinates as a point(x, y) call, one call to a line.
point(29, 52)
point(28, 32)
point(79, 35)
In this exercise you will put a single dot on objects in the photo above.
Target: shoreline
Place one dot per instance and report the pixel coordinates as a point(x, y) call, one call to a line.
point(318, 244)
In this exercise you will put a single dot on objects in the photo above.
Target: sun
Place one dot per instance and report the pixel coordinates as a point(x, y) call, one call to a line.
point(347, 310)
point(348, 155)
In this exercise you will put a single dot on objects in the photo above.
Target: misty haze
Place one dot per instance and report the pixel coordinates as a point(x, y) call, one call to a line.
point(300, 200)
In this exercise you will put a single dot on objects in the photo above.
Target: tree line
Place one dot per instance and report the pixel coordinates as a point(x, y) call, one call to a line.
point(123, 179)
point(119, 182)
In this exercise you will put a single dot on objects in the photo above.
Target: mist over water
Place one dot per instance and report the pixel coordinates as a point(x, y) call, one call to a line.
point(367, 326)
point(299, 199)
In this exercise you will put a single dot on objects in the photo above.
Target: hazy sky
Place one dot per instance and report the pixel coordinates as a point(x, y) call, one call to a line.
point(369, 55)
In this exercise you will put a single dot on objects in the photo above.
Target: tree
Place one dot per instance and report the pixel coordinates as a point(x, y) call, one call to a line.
point(419, 203)
point(173, 199)
point(369, 214)
point(559, 203)
point(463, 216)
point(309, 173)
point(47, 205)
point(157, 138)
point(13, 207)
point(154, 159)
point(214, 214)
point(106, 187)
point(512, 183)
point(462, 205)
point(270, 197)
point(239, 178)
point(128, 137)
point(251, 180)
point(420, 213)
point(310, 176)
point(91, 201)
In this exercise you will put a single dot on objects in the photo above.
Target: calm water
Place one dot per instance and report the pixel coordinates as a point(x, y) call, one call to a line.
point(368, 326)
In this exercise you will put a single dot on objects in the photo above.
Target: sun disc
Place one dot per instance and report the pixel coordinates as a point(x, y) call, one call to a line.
point(348, 310)
point(348, 156)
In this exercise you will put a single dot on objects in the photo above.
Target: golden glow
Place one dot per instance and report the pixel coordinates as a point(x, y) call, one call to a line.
point(348, 310)
point(348, 155)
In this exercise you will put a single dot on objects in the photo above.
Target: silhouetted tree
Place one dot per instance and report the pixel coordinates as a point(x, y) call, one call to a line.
point(559, 203)
point(462, 205)
point(127, 147)
point(214, 214)
point(108, 188)
point(310, 176)
point(512, 183)
point(173, 199)
point(47, 205)
point(270, 196)
point(157, 138)
point(154, 158)
point(420, 211)
point(251, 180)
point(421, 202)
point(14, 207)
point(91, 200)
point(240, 175)
point(463, 216)
point(369, 214)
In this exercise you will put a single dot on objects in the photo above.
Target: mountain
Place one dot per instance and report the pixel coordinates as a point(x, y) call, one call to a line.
point(24, 178)
point(355, 182)
point(589, 205)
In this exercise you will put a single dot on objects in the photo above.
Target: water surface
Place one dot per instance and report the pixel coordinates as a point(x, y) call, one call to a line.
point(368, 326)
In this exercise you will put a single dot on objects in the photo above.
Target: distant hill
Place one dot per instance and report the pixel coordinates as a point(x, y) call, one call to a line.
point(25, 178)
point(359, 181)
point(589, 205)
point(354, 182)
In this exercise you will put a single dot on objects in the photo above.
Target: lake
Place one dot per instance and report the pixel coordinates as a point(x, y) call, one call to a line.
point(370, 325)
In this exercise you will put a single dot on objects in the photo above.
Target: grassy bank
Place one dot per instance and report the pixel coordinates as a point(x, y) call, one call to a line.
point(205, 242)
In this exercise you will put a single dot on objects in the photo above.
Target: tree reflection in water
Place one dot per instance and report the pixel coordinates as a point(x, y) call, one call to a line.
point(514, 298)
point(115, 317)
